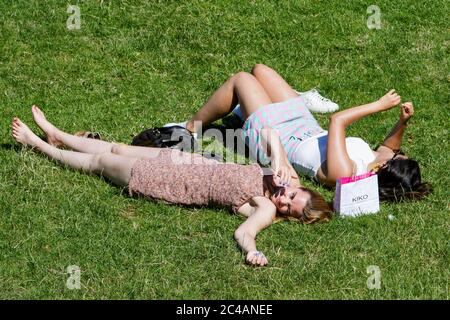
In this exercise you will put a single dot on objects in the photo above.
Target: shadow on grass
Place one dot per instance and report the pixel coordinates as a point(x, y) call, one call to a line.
point(15, 146)
point(230, 122)
point(10, 146)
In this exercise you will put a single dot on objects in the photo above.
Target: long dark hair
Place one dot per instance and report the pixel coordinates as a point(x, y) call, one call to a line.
point(400, 179)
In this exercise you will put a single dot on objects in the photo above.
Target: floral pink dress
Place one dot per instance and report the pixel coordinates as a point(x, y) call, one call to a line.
point(190, 179)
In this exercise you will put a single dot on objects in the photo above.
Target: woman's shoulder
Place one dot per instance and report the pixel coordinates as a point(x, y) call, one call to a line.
point(248, 208)
point(360, 153)
point(355, 140)
point(357, 145)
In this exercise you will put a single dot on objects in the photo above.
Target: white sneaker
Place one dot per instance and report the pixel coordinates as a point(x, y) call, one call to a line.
point(313, 101)
point(181, 124)
point(317, 103)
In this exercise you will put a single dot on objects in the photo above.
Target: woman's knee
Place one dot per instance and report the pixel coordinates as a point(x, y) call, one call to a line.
point(117, 149)
point(103, 160)
point(243, 77)
point(97, 162)
point(260, 70)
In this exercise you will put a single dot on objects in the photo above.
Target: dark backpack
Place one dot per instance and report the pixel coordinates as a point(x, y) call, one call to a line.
point(175, 137)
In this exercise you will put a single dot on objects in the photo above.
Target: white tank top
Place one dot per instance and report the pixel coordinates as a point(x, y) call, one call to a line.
point(310, 154)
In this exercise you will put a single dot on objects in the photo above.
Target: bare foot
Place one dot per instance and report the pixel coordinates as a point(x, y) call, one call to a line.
point(22, 134)
point(49, 129)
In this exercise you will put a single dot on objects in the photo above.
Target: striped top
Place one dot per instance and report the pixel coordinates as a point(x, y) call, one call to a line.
point(292, 120)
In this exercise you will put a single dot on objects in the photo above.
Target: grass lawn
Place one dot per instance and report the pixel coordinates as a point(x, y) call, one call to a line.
point(136, 64)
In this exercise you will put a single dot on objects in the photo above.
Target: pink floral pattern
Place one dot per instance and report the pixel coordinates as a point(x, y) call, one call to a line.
point(189, 179)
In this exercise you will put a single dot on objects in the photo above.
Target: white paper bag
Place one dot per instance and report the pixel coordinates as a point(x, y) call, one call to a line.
point(357, 195)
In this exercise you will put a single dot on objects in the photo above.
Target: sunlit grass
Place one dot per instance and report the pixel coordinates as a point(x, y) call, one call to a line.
point(136, 64)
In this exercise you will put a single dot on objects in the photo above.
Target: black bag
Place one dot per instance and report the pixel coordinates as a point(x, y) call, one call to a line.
point(175, 137)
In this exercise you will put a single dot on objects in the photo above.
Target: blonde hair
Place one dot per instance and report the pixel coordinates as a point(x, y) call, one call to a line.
point(316, 210)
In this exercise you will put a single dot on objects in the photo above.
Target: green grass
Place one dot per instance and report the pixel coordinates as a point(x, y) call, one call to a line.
point(136, 64)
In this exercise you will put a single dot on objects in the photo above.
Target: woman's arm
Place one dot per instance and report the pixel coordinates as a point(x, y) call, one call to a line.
point(278, 157)
point(245, 235)
point(339, 163)
point(394, 139)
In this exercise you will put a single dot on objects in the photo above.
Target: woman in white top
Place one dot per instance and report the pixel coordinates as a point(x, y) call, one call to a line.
point(269, 104)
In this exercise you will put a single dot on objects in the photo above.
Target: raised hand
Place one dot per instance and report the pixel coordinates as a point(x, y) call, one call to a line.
point(282, 170)
point(406, 111)
point(389, 100)
point(256, 258)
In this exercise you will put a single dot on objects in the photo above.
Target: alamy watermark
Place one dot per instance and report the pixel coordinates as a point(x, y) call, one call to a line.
point(374, 20)
point(374, 280)
point(236, 140)
point(74, 20)
point(74, 280)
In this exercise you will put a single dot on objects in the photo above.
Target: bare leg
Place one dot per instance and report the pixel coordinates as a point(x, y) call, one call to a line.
point(115, 167)
point(135, 151)
point(55, 135)
point(242, 88)
point(276, 87)
point(92, 146)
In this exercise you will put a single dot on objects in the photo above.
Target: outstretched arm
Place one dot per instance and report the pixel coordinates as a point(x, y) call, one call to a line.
point(245, 235)
point(339, 163)
point(279, 161)
point(394, 139)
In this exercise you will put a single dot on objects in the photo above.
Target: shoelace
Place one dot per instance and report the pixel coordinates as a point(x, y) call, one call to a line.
point(317, 94)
